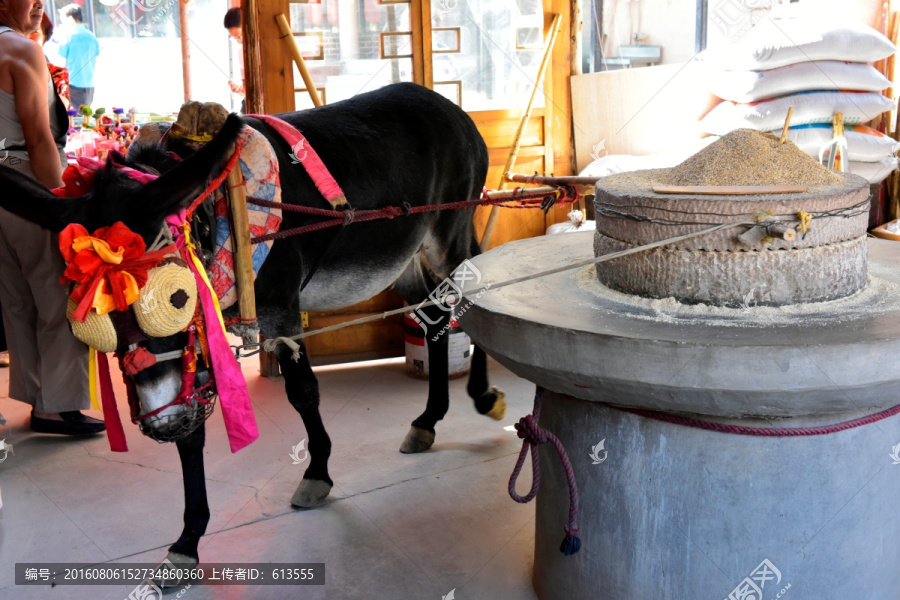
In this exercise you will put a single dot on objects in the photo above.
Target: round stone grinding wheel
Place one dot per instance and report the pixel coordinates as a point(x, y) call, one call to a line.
point(724, 269)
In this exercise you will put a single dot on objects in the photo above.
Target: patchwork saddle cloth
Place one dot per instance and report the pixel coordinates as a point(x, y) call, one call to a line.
point(259, 166)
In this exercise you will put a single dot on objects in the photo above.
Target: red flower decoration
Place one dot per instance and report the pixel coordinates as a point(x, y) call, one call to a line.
point(109, 266)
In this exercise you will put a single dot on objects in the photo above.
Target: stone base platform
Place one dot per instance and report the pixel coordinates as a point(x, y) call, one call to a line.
point(675, 512)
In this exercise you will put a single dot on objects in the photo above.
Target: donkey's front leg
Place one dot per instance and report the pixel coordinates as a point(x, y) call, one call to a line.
point(196, 507)
point(303, 393)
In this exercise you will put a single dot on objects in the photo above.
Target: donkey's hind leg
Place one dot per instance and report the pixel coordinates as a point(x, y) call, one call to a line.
point(421, 434)
point(488, 401)
point(303, 393)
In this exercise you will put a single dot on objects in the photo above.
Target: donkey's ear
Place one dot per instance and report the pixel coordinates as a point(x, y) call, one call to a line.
point(178, 188)
point(30, 200)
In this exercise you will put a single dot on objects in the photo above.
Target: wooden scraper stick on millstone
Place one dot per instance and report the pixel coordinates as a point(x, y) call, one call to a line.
point(755, 234)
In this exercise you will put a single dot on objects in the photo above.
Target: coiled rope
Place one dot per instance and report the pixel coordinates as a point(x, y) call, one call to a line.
point(532, 436)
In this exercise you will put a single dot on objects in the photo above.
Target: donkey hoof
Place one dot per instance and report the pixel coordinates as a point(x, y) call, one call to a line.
point(498, 411)
point(173, 562)
point(310, 493)
point(417, 440)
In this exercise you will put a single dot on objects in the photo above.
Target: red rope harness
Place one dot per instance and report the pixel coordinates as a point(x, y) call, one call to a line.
point(215, 183)
point(563, 195)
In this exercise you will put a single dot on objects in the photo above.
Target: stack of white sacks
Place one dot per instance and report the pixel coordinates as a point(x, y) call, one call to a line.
point(819, 68)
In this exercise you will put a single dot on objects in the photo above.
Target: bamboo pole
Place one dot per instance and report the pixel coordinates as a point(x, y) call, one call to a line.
point(893, 204)
point(517, 140)
point(288, 36)
point(575, 68)
point(892, 185)
point(185, 48)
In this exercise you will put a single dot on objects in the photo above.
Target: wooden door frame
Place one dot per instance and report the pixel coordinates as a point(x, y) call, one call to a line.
point(269, 82)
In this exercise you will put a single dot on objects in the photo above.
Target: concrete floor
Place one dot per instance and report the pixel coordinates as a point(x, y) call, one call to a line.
point(395, 526)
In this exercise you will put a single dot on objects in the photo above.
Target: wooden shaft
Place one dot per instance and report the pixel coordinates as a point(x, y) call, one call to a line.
point(517, 140)
point(253, 81)
point(243, 260)
point(787, 123)
point(729, 190)
point(288, 37)
point(782, 231)
point(511, 194)
point(562, 180)
point(185, 48)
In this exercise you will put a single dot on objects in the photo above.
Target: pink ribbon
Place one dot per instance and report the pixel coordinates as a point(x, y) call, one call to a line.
point(237, 411)
point(308, 157)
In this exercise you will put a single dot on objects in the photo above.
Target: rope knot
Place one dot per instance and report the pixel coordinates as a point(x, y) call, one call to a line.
point(349, 216)
point(407, 209)
point(528, 429)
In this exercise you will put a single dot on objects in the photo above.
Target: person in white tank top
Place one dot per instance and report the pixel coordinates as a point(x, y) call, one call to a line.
point(48, 366)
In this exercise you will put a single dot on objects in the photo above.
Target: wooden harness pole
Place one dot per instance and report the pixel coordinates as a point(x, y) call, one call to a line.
point(517, 140)
point(243, 259)
point(243, 263)
point(288, 36)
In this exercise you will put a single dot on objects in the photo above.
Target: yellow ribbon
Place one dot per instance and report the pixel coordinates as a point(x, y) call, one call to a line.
point(92, 378)
point(105, 303)
point(189, 246)
point(101, 247)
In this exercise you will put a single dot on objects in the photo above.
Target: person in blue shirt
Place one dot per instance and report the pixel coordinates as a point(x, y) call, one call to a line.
point(80, 49)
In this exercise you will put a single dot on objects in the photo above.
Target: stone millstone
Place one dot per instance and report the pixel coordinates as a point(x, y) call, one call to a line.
point(720, 269)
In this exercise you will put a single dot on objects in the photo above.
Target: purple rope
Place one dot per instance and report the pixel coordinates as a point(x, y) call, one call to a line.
point(532, 436)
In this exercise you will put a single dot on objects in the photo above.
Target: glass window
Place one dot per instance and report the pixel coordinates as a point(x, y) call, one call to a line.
point(351, 47)
point(499, 51)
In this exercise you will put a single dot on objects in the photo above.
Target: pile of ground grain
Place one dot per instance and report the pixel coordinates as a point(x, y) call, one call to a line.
point(742, 157)
point(750, 157)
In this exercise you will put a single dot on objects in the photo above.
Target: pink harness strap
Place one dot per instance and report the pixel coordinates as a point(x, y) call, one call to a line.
point(305, 154)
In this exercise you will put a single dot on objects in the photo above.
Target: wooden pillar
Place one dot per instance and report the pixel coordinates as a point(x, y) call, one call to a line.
point(253, 84)
point(268, 71)
point(268, 83)
point(558, 135)
point(276, 64)
point(420, 23)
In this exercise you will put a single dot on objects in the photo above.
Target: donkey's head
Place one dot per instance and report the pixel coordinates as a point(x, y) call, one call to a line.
point(143, 312)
